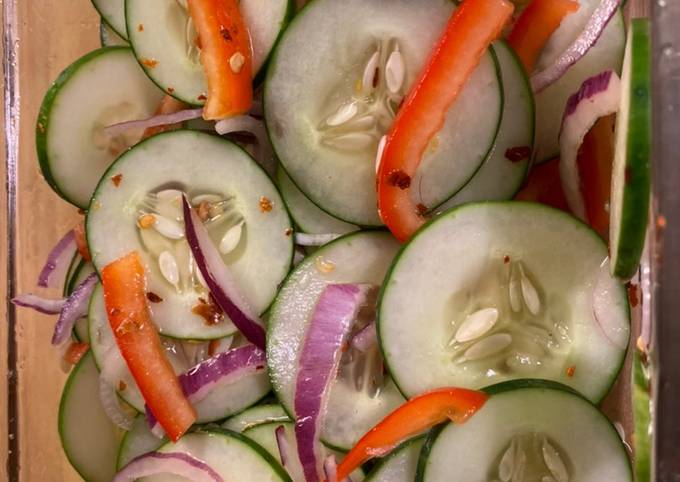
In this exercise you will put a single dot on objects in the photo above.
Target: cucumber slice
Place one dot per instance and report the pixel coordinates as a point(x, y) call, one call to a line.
point(307, 216)
point(113, 13)
point(537, 430)
point(316, 78)
point(99, 89)
point(400, 465)
point(201, 165)
point(642, 408)
point(503, 290)
point(607, 53)
point(76, 260)
point(88, 437)
point(255, 416)
point(82, 271)
point(109, 38)
point(504, 170)
point(164, 42)
point(231, 455)
point(138, 441)
point(361, 257)
point(631, 171)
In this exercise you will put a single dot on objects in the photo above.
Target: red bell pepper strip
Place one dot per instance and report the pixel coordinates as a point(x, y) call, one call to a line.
point(415, 416)
point(535, 26)
point(595, 159)
point(226, 55)
point(124, 284)
point(168, 105)
point(472, 27)
point(81, 241)
point(545, 186)
point(75, 352)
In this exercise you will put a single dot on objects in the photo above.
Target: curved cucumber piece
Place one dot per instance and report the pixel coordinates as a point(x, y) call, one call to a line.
point(165, 45)
point(325, 127)
point(88, 437)
point(362, 257)
point(82, 271)
point(542, 432)
point(497, 291)
point(642, 418)
point(307, 216)
point(504, 170)
point(138, 441)
point(238, 192)
point(231, 455)
point(607, 53)
point(255, 416)
point(75, 263)
point(400, 465)
point(113, 13)
point(631, 171)
point(109, 38)
point(99, 89)
point(79, 270)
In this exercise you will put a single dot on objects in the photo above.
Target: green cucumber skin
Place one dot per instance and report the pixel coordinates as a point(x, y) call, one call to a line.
point(122, 35)
point(642, 421)
point(384, 460)
point(43, 122)
point(637, 186)
point(427, 448)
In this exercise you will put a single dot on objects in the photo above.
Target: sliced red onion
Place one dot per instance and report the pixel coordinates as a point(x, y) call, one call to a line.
point(598, 96)
point(155, 121)
point(283, 445)
point(176, 463)
point(329, 328)
point(75, 307)
point(58, 262)
point(366, 338)
point(591, 33)
point(330, 470)
point(38, 303)
point(245, 123)
point(111, 405)
point(220, 280)
point(302, 239)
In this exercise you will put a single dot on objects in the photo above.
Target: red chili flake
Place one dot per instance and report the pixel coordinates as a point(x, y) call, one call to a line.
point(661, 221)
point(517, 154)
point(153, 297)
point(213, 346)
point(259, 367)
point(421, 209)
point(628, 174)
point(82, 211)
point(203, 210)
point(570, 371)
point(150, 63)
point(117, 179)
point(376, 77)
point(506, 259)
point(399, 179)
point(140, 28)
point(209, 311)
point(225, 34)
point(202, 97)
point(265, 204)
point(75, 352)
point(121, 385)
point(288, 232)
point(633, 294)
point(171, 90)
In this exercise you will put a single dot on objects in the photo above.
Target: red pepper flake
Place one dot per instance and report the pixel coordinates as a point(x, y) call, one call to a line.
point(265, 204)
point(289, 232)
point(117, 179)
point(226, 35)
point(517, 154)
point(421, 209)
point(209, 311)
point(661, 221)
point(153, 297)
point(171, 90)
point(213, 346)
point(121, 385)
point(203, 210)
point(82, 211)
point(150, 63)
point(376, 77)
point(140, 27)
point(633, 294)
point(202, 97)
point(75, 352)
point(399, 179)
point(506, 259)
point(570, 371)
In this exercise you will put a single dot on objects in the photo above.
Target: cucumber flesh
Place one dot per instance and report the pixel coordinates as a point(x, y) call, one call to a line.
point(231, 455)
point(642, 418)
point(400, 465)
point(631, 171)
point(113, 13)
point(138, 441)
point(504, 170)
point(496, 291)
point(607, 53)
point(255, 416)
point(101, 88)
point(307, 215)
point(553, 433)
point(334, 165)
point(361, 257)
point(198, 164)
point(109, 38)
point(88, 437)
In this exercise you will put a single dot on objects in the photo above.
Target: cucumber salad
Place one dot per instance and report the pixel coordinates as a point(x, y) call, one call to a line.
point(382, 240)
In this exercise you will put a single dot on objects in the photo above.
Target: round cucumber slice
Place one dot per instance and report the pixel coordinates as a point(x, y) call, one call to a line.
point(145, 183)
point(113, 13)
point(607, 53)
point(400, 465)
point(631, 171)
point(231, 455)
point(88, 437)
point(362, 257)
point(504, 170)
point(102, 88)
point(109, 38)
point(255, 416)
point(163, 39)
point(503, 290)
point(327, 103)
point(138, 441)
point(536, 432)
point(307, 216)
